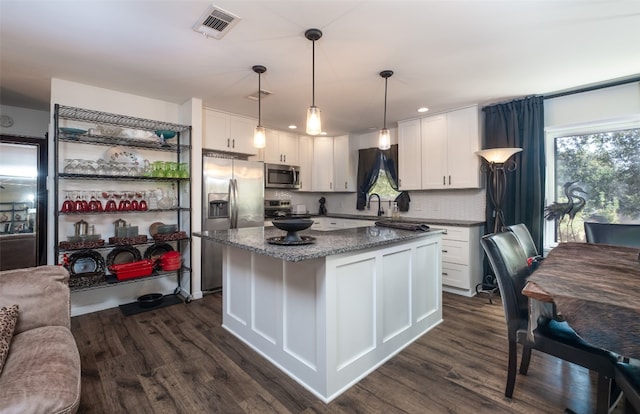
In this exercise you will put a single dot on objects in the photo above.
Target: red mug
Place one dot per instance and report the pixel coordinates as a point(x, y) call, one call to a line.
point(111, 206)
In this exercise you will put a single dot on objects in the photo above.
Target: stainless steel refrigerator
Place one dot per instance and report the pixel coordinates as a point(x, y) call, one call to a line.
point(233, 197)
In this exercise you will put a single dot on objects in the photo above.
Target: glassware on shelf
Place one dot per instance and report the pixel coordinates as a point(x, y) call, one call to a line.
point(183, 170)
point(68, 204)
point(69, 165)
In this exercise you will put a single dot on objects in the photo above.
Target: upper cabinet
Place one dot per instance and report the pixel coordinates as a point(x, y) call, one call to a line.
point(334, 164)
point(229, 133)
point(305, 158)
point(344, 165)
point(438, 152)
point(322, 173)
point(409, 161)
point(281, 148)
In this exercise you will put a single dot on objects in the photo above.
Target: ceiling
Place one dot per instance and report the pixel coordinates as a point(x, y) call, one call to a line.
point(445, 54)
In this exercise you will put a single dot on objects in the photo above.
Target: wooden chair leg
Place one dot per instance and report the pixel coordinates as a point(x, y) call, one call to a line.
point(511, 369)
point(526, 358)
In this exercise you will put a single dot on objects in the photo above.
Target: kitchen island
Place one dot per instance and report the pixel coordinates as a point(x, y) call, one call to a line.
point(329, 313)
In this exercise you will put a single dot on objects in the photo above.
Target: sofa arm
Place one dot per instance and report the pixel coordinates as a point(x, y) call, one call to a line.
point(42, 293)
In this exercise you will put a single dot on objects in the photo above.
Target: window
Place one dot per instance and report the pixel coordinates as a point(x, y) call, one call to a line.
point(593, 174)
point(382, 187)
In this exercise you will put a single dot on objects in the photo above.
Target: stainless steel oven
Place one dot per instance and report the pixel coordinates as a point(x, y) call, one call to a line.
point(281, 176)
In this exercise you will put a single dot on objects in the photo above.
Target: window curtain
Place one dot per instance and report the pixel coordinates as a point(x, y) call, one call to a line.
point(390, 162)
point(368, 169)
point(520, 123)
point(369, 162)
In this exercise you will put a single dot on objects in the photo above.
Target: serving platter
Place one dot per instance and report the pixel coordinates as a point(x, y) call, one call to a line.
point(123, 156)
point(283, 241)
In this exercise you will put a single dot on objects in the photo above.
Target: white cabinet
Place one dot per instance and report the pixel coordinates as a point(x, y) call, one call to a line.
point(409, 161)
point(230, 133)
point(461, 259)
point(438, 152)
point(434, 151)
point(344, 165)
point(322, 176)
point(463, 140)
point(305, 161)
point(281, 148)
point(334, 164)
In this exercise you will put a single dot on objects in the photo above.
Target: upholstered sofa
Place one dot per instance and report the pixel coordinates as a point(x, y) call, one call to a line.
point(41, 371)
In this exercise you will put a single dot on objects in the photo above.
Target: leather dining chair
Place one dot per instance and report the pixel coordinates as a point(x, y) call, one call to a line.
point(615, 234)
point(627, 376)
point(552, 337)
point(524, 237)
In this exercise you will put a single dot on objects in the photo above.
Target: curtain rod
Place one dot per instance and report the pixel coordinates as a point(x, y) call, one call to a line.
point(593, 87)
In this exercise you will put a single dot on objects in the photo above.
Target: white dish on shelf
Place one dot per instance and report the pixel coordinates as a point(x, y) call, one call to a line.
point(124, 156)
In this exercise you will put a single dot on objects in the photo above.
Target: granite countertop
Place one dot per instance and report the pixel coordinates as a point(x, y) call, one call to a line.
point(442, 222)
point(327, 242)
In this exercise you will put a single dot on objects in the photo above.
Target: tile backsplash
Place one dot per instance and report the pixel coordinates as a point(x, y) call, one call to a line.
point(449, 204)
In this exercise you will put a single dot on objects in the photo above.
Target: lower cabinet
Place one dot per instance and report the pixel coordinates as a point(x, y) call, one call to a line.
point(461, 259)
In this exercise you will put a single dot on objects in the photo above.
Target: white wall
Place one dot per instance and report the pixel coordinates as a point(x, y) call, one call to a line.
point(587, 107)
point(189, 113)
point(26, 122)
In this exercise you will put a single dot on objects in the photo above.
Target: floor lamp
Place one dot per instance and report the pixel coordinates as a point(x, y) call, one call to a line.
point(497, 163)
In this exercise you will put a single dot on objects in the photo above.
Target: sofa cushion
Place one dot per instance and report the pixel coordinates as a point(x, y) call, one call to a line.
point(8, 320)
point(42, 294)
point(42, 373)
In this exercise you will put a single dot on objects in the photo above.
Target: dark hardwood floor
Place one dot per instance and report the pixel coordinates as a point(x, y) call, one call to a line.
point(179, 359)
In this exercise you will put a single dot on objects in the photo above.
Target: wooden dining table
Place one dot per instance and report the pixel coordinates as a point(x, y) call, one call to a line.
point(596, 289)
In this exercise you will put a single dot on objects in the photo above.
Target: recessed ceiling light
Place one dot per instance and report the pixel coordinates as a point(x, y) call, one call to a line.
point(323, 133)
point(423, 109)
point(292, 127)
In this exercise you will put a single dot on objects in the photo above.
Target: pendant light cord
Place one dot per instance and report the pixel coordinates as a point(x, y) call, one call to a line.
point(384, 122)
point(260, 100)
point(313, 73)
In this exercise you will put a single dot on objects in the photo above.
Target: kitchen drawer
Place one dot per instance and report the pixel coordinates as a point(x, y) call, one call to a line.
point(456, 233)
point(454, 251)
point(456, 275)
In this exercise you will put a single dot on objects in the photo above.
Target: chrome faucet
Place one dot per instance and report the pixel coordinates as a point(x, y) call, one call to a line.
point(380, 210)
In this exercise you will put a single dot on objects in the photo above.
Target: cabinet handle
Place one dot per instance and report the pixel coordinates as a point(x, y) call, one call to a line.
point(444, 180)
point(449, 180)
point(285, 158)
point(280, 157)
point(445, 274)
point(330, 185)
point(233, 143)
point(345, 185)
point(228, 142)
point(445, 251)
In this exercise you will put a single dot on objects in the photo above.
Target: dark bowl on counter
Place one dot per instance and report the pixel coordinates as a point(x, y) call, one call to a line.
point(291, 226)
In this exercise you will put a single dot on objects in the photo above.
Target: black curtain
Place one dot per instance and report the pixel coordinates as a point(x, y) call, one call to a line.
point(369, 162)
point(520, 123)
point(390, 161)
point(368, 169)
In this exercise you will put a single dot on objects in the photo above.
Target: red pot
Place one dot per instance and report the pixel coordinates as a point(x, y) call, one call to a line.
point(171, 261)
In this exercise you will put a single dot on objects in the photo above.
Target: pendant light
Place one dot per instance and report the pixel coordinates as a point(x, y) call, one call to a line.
point(314, 124)
point(259, 136)
point(384, 141)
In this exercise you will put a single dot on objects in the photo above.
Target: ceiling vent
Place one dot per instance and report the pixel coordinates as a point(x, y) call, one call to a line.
point(254, 96)
point(215, 22)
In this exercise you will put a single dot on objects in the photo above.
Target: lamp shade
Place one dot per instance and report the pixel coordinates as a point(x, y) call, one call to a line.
point(498, 155)
point(259, 137)
point(314, 124)
point(384, 140)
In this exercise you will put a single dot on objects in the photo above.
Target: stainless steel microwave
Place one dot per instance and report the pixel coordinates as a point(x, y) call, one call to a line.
point(281, 176)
